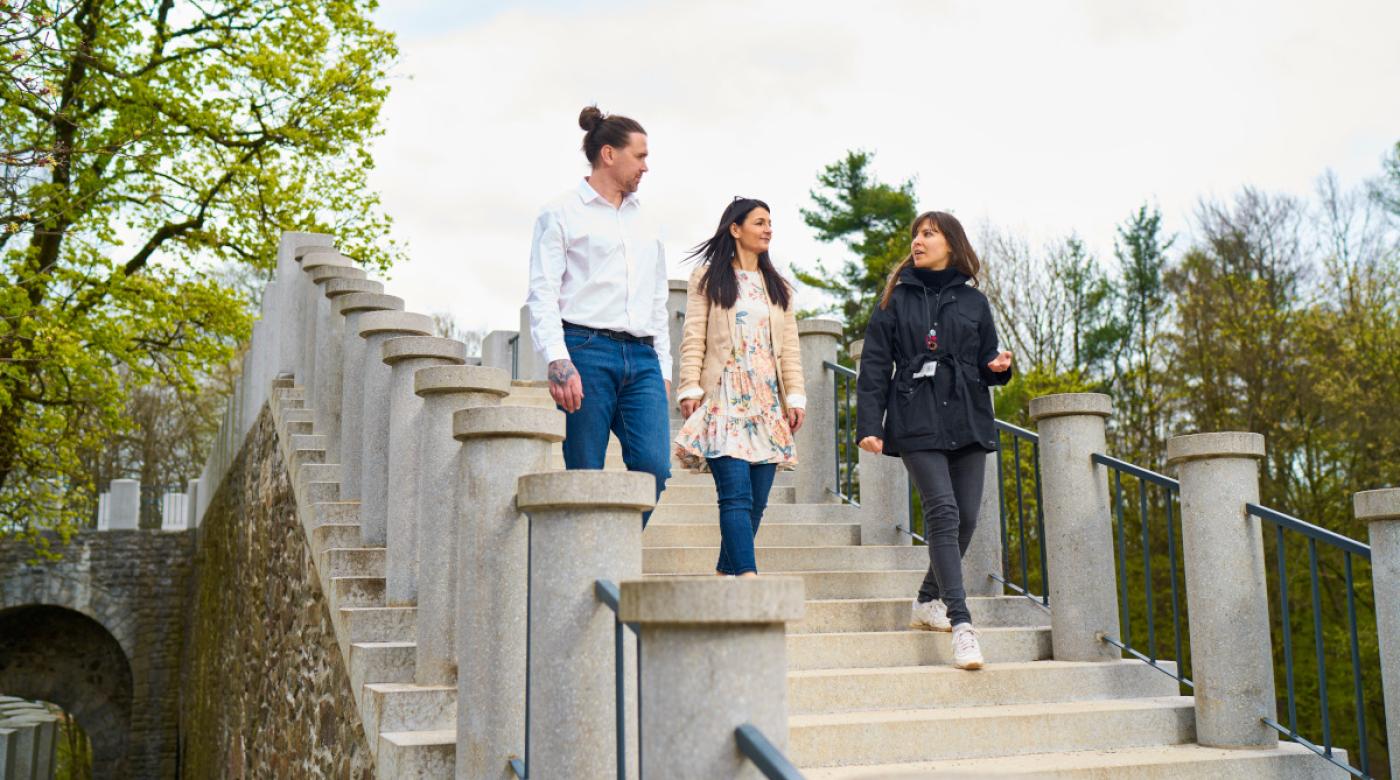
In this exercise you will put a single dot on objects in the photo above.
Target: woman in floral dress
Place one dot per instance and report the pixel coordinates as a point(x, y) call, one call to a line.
point(741, 389)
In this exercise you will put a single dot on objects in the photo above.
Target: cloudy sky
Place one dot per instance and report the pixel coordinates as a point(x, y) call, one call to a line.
point(1042, 116)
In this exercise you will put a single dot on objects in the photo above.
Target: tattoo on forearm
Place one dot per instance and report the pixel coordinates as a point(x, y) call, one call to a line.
point(561, 371)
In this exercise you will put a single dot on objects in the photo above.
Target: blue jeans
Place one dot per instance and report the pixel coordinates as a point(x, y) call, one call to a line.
point(743, 495)
point(623, 392)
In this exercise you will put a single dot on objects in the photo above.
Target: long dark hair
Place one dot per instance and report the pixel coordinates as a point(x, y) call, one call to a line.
point(961, 255)
point(720, 283)
point(601, 130)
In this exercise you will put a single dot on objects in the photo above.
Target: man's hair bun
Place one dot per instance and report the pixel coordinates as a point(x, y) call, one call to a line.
point(589, 118)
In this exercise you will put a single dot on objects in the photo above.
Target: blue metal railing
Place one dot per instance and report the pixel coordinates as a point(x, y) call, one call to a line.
point(764, 754)
point(847, 487)
point(1350, 549)
point(1170, 497)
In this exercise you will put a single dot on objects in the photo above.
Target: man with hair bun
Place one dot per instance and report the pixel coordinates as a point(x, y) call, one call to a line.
point(598, 306)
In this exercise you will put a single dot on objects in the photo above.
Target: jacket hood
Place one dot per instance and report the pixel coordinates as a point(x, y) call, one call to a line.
point(907, 276)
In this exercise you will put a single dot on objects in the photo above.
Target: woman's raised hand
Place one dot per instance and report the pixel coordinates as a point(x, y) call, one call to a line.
point(1001, 362)
point(873, 444)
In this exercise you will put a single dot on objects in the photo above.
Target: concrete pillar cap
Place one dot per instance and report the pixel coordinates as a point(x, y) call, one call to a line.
point(712, 600)
point(364, 301)
point(677, 285)
point(586, 489)
point(324, 257)
point(334, 288)
point(405, 322)
point(856, 349)
point(409, 347)
point(531, 422)
point(437, 380)
point(302, 250)
point(1067, 404)
point(324, 273)
point(1227, 444)
point(819, 326)
point(1383, 504)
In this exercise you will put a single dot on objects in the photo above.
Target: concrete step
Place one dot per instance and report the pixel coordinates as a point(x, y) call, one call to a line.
point(321, 492)
point(701, 560)
point(354, 561)
point(860, 584)
point(308, 442)
point(779, 513)
point(297, 427)
point(867, 649)
point(297, 459)
point(380, 662)
point(890, 736)
point(338, 512)
point(774, 535)
point(297, 415)
point(705, 494)
point(379, 624)
point(927, 687)
point(330, 535)
point(680, 477)
point(394, 707)
point(358, 591)
point(892, 614)
point(1157, 762)
point(315, 472)
point(418, 753)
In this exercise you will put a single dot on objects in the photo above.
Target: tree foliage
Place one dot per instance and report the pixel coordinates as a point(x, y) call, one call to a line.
point(143, 145)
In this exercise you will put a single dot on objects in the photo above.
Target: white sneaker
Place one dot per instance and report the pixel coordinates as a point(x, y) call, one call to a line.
point(930, 616)
point(967, 653)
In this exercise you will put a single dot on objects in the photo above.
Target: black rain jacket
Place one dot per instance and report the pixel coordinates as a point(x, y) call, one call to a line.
point(950, 410)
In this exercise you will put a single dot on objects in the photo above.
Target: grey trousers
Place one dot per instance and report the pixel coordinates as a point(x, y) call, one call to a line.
point(950, 485)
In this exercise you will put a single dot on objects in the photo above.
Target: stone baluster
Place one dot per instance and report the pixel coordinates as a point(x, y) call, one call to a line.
point(330, 348)
point(1380, 509)
point(675, 324)
point(713, 657)
point(816, 451)
point(584, 526)
point(192, 499)
point(1078, 525)
point(377, 327)
point(124, 505)
point(405, 356)
point(530, 364)
point(884, 489)
point(313, 265)
point(445, 390)
point(496, 350)
point(499, 445)
point(1227, 596)
point(324, 322)
point(291, 292)
point(352, 388)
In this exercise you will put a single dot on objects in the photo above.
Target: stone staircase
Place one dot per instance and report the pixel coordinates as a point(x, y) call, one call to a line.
point(867, 697)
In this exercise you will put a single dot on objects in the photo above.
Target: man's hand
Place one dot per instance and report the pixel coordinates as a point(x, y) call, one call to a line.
point(1000, 363)
point(873, 444)
point(565, 387)
point(795, 418)
point(688, 407)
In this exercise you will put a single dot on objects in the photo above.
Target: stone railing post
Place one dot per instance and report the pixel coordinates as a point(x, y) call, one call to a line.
point(352, 383)
point(675, 323)
point(319, 266)
point(405, 356)
point(884, 488)
point(330, 347)
point(1078, 525)
point(124, 505)
point(530, 363)
point(444, 390)
point(816, 442)
point(291, 293)
point(1227, 596)
point(495, 350)
point(584, 526)
point(713, 657)
point(985, 552)
point(499, 445)
point(1381, 510)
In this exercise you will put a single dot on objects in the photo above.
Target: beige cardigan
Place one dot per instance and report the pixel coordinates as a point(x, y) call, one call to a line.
point(708, 342)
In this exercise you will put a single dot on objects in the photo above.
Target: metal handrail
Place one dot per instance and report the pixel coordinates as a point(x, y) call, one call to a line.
point(843, 430)
point(764, 754)
point(514, 343)
point(1349, 548)
point(1019, 434)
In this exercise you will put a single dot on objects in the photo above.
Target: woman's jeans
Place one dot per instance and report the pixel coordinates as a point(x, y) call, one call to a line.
point(743, 495)
point(950, 484)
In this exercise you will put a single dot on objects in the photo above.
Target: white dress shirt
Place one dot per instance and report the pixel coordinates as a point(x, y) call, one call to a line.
point(600, 267)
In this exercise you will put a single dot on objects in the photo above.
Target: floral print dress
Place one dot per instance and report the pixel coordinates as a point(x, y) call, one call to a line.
point(744, 418)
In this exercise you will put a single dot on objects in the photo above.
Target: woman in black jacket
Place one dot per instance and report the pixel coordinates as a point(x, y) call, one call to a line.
point(930, 354)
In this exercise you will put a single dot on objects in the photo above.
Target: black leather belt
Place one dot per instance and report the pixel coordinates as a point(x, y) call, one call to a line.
point(613, 334)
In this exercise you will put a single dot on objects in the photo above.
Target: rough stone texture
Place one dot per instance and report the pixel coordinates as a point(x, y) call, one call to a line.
point(1227, 596)
point(584, 526)
point(266, 691)
point(445, 390)
point(816, 470)
point(1078, 526)
point(702, 679)
point(99, 633)
point(1382, 509)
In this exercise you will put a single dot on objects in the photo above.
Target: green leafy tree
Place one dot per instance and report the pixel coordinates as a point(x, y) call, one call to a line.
point(871, 219)
point(1143, 308)
point(143, 144)
point(1095, 333)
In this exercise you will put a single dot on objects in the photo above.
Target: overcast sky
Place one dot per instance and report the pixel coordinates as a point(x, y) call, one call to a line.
point(1040, 116)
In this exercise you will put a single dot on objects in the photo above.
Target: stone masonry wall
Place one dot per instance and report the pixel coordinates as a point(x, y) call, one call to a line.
point(266, 692)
